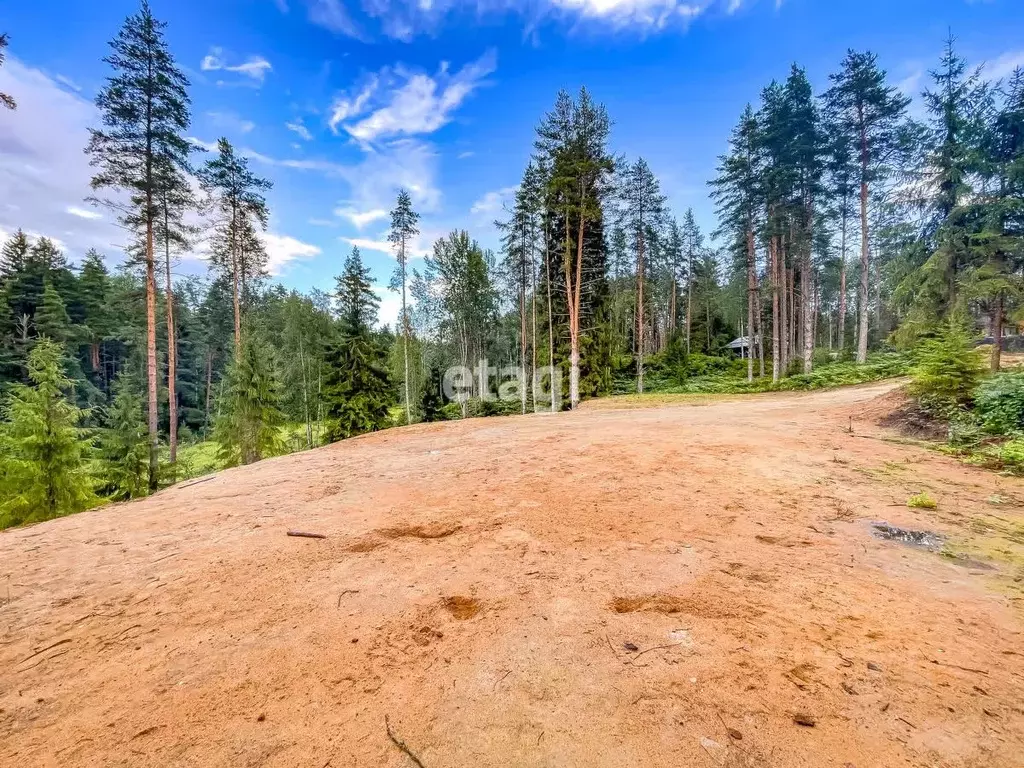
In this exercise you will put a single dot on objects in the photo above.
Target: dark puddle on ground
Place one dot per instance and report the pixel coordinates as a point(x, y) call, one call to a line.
point(924, 539)
point(927, 540)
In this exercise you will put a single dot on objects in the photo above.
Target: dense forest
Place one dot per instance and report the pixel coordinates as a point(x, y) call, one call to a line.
point(852, 231)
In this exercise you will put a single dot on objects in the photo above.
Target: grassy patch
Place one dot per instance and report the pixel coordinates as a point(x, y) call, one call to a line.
point(827, 376)
point(922, 501)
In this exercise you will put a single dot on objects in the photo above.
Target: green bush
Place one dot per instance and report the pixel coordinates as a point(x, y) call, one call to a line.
point(1011, 455)
point(947, 371)
point(879, 366)
point(999, 403)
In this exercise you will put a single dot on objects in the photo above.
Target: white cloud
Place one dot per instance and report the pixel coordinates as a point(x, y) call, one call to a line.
point(642, 13)
point(296, 126)
point(69, 83)
point(492, 201)
point(230, 122)
point(44, 174)
point(911, 84)
point(415, 248)
point(465, 155)
point(396, 102)
point(361, 218)
point(1004, 65)
point(345, 107)
point(405, 19)
point(331, 15)
point(390, 305)
point(255, 67)
point(283, 249)
point(84, 213)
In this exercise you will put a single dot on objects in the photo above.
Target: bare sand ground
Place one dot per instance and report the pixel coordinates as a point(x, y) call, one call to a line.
point(660, 586)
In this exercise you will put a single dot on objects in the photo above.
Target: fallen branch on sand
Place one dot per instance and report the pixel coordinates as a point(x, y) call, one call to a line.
point(401, 744)
point(307, 535)
point(655, 648)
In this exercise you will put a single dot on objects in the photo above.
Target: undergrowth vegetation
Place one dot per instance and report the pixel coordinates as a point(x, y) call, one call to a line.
point(984, 414)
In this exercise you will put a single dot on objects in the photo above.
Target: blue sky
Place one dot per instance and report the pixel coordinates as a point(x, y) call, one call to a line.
point(339, 102)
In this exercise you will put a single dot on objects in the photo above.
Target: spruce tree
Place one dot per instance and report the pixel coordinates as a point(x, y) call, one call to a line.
point(404, 221)
point(51, 320)
point(94, 281)
point(140, 150)
point(45, 454)
point(249, 426)
point(356, 302)
point(357, 388)
point(432, 399)
point(123, 443)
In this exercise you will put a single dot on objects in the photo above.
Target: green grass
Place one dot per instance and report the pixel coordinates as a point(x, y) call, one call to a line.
point(827, 376)
point(922, 501)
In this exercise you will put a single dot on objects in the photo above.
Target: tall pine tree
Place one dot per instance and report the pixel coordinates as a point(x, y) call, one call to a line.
point(141, 147)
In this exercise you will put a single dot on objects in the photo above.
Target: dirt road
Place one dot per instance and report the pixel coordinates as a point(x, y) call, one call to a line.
point(667, 586)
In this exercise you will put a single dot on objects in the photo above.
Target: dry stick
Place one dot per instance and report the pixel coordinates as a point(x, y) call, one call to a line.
point(307, 535)
point(44, 650)
point(957, 666)
point(401, 744)
point(197, 482)
point(655, 648)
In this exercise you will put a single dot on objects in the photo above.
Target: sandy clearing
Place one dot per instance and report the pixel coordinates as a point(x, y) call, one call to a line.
point(483, 585)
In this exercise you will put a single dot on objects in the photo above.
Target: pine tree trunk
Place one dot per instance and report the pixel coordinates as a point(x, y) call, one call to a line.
point(405, 333)
point(209, 384)
point(751, 291)
point(865, 258)
point(807, 293)
point(172, 358)
point(551, 322)
point(689, 297)
point(997, 335)
point(533, 306)
point(522, 333)
point(235, 278)
point(841, 332)
point(573, 297)
point(672, 306)
point(151, 372)
point(640, 314)
point(776, 310)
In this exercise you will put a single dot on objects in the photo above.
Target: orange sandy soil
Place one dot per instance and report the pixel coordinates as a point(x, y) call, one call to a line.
point(666, 586)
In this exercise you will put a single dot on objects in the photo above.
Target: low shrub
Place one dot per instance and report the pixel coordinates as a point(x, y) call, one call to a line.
point(947, 371)
point(922, 501)
point(1011, 456)
point(999, 403)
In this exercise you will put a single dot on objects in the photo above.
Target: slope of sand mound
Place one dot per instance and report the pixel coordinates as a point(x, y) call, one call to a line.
point(674, 586)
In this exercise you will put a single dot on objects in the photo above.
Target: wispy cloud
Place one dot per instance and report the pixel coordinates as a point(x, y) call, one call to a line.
point(1004, 66)
point(44, 175)
point(397, 102)
point(415, 248)
point(332, 15)
point(492, 201)
point(405, 19)
point(361, 218)
point(284, 249)
point(84, 213)
point(230, 122)
point(254, 67)
point(296, 126)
